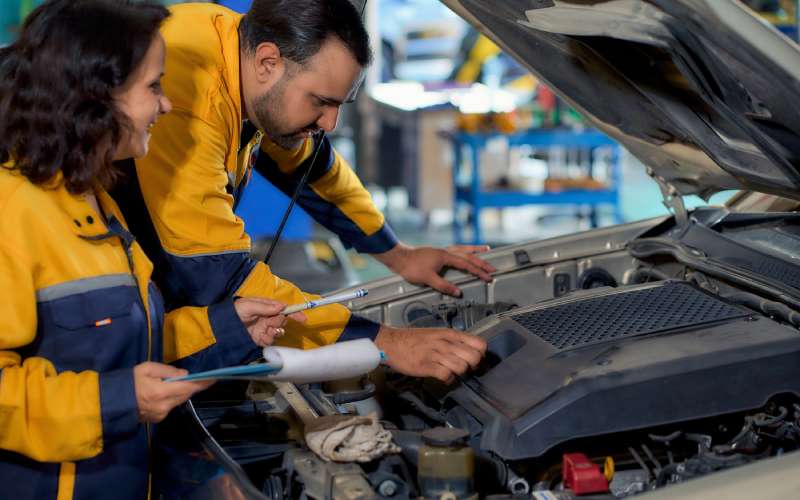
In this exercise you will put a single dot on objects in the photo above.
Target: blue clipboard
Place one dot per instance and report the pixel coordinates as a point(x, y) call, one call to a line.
point(246, 372)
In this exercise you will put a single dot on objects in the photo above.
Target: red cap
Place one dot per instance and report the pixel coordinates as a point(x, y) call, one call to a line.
point(583, 476)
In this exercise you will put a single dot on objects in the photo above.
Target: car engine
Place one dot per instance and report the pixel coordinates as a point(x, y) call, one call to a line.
point(620, 361)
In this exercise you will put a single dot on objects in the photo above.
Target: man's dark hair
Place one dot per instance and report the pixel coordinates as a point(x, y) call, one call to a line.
point(57, 112)
point(300, 27)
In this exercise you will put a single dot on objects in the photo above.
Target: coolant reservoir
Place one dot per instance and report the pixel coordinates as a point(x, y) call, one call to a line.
point(446, 464)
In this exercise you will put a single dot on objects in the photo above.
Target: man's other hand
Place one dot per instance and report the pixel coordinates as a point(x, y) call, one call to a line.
point(440, 353)
point(424, 265)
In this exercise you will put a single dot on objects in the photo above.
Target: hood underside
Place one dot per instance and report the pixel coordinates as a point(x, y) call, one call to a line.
point(703, 92)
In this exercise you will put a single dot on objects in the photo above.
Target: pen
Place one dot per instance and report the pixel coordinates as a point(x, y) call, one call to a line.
point(333, 299)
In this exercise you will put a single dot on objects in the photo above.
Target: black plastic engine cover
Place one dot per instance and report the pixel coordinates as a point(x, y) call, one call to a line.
point(600, 362)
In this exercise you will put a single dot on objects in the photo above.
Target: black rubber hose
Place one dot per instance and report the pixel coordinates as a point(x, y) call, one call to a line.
point(768, 420)
point(343, 397)
point(665, 439)
point(421, 407)
point(650, 247)
point(768, 307)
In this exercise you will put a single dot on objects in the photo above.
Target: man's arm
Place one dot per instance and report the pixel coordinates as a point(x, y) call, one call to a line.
point(199, 240)
point(183, 183)
point(335, 197)
point(423, 265)
point(333, 194)
point(440, 353)
point(228, 333)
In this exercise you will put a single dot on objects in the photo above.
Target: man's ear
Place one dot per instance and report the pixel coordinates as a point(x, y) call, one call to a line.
point(268, 63)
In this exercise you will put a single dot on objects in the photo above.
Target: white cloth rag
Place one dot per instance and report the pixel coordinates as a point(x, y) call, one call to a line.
point(339, 438)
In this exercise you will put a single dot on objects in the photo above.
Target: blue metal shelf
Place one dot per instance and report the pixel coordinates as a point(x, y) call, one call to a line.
point(477, 198)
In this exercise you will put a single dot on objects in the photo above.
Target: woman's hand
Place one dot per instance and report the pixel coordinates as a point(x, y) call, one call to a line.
point(263, 318)
point(155, 397)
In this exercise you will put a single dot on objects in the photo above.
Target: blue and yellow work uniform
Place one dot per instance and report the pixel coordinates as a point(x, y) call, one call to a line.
point(197, 167)
point(78, 313)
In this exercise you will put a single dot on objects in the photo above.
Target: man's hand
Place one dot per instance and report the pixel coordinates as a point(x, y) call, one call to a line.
point(263, 318)
point(155, 397)
point(440, 353)
point(424, 265)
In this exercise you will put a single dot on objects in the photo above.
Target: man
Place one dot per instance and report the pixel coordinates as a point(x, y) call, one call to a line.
point(285, 68)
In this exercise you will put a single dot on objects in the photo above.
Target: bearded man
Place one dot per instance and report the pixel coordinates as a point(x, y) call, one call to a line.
point(251, 92)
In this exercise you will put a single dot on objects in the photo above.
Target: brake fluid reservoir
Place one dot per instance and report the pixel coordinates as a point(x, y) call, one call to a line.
point(446, 464)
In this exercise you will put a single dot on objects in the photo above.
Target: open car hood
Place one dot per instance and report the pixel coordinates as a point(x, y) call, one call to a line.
point(703, 92)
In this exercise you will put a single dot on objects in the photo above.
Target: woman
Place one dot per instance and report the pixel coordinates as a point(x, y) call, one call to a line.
point(81, 328)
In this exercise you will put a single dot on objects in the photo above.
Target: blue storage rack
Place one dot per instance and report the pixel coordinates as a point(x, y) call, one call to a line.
point(477, 198)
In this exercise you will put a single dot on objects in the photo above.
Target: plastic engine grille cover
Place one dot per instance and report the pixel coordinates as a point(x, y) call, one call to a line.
point(637, 312)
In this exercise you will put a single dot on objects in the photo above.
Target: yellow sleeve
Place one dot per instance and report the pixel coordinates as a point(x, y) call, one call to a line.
point(204, 338)
point(324, 325)
point(187, 331)
point(334, 196)
point(46, 416)
point(341, 187)
point(183, 181)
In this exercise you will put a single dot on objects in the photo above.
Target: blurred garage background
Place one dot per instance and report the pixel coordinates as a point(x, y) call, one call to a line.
point(456, 143)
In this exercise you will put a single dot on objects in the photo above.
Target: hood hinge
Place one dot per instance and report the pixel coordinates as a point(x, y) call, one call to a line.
point(672, 199)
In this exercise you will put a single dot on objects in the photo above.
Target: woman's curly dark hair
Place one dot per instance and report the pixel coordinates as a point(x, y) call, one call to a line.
point(57, 112)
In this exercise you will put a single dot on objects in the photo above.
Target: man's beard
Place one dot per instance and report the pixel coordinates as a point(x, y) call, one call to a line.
point(271, 119)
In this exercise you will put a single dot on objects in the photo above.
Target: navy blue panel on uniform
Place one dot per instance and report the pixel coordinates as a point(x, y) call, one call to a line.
point(207, 279)
point(22, 477)
point(119, 473)
point(324, 212)
point(359, 328)
point(234, 346)
point(70, 330)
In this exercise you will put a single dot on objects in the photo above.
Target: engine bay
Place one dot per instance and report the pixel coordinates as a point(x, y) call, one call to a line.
point(620, 361)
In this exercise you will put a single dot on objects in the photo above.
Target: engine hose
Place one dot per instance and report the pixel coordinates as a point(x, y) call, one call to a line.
point(344, 397)
point(665, 439)
point(768, 307)
point(755, 302)
point(651, 247)
point(421, 407)
point(768, 420)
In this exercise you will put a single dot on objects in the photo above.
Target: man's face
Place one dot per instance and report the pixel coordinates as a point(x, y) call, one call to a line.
point(307, 98)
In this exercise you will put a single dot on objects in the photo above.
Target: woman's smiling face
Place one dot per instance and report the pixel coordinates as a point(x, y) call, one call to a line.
point(142, 101)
